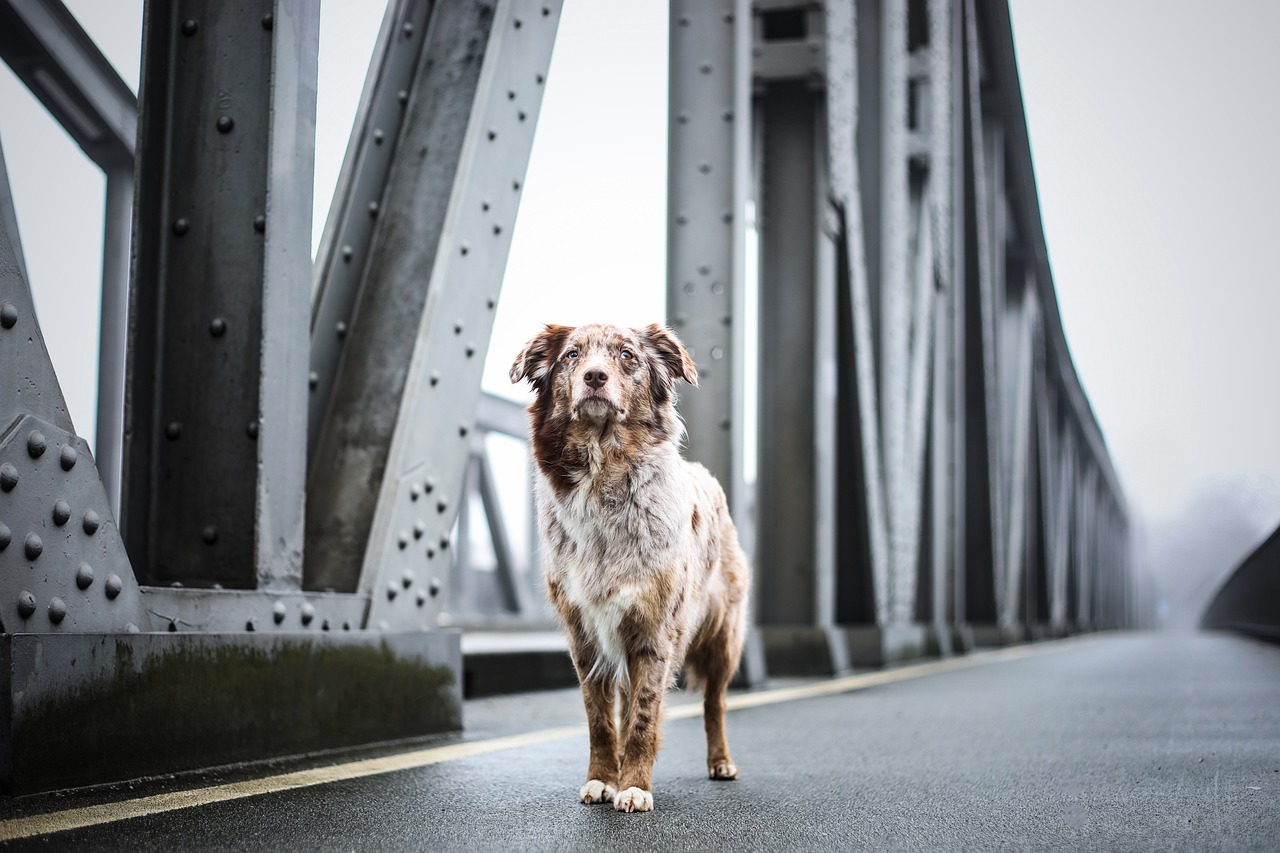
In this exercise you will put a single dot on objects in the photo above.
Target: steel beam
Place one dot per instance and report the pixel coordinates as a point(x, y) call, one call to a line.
point(707, 184)
point(63, 567)
point(405, 394)
point(216, 408)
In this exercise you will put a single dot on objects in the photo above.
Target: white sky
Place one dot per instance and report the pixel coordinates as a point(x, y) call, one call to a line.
point(1153, 128)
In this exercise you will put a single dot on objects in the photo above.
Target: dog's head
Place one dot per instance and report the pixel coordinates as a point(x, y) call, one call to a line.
point(595, 377)
point(605, 374)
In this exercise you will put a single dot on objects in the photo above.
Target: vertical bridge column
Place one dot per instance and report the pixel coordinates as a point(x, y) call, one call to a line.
point(216, 402)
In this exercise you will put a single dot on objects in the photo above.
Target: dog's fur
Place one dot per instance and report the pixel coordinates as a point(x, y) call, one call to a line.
point(642, 560)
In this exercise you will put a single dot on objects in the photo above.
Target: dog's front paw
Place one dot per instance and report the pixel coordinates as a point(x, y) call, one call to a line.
point(596, 791)
point(722, 770)
point(633, 800)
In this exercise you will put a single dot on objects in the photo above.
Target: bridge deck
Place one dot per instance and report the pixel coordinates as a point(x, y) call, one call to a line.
point(1138, 741)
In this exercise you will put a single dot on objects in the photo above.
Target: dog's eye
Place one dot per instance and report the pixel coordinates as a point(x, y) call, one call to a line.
point(625, 354)
point(573, 353)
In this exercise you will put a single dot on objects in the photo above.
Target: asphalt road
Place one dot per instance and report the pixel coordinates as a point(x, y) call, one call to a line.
point(1116, 742)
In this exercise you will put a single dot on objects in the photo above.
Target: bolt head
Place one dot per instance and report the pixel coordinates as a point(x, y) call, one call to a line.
point(209, 534)
point(8, 477)
point(181, 225)
point(57, 610)
point(308, 613)
point(8, 315)
point(173, 431)
point(36, 444)
point(26, 604)
point(61, 512)
point(278, 612)
point(114, 586)
point(190, 27)
point(33, 547)
point(259, 223)
point(218, 327)
point(68, 457)
point(225, 124)
point(91, 522)
point(84, 576)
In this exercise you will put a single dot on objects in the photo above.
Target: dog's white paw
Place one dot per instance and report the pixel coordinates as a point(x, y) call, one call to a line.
point(722, 770)
point(633, 800)
point(596, 791)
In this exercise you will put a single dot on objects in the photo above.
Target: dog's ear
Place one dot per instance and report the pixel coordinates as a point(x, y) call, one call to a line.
point(535, 360)
point(670, 352)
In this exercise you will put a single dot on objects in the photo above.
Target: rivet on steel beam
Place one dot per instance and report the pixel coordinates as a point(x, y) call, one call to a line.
point(515, 185)
point(33, 547)
point(728, 17)
point(684, 20)
point(218, 327)
point(308, 613)
point(434, 588)
point(36, 444)
point(545, 11)
point(347, 253)
point(457, 328)
point(682, 219)
point(8, 477)
point(340, 329)
point(418, 529)
point(131, 628)
point(57, 610)
point(704, 167)
point(727, 115)
point(259, 223)
point(402, 540)
point(113, 587)
point(173, 624)
point(225, 124)
point(278, 612)
point(414, 491)
point(268, 21)
point(84, 576)
point(518, 23)
point(346, 624)
point(26, 604)
point(540, 78)
point(6, 536)
point(420, 598)
point(313, 380)
point(704, 270)
point(68, 457)
point(511, 95)
point(717, 288)
point(91, 522)
point(373, 210)
point(392, 592)
point(442, 505)
point(181, 225)
point(209, 534)
point(689, 288)
point(249, 625)
point(725, 424)
point(444, 542)
point(470, 351)
point(431, 553)
point(497, 229)
point(491, 304)
point(465, 249)
point(462, 430)
point(682, 117)
point(407, 29)
point(61, 512)
point(493, 134)
point(8, 315)
point(428, 485)
point(324, 625)
point(378, 136)
point(521, 115)
point(251, 429)
point(190, 27)
point(705, 68)
point(484, 206)
point(403, 97)
point(406, 579)
point(717, 353)
point(726, 217)
point(173, 431)
point(434, 379)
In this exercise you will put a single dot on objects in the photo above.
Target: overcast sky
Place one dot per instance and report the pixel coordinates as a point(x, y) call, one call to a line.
point(1153, 130)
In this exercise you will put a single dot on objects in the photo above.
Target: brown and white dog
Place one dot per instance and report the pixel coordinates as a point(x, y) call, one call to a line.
point(642, 559)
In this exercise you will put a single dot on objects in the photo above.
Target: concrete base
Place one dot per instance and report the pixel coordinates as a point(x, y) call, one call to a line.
point(873, 646)
point(500, 662)
point(987, 635)
point(82, 709)
point(803, 650)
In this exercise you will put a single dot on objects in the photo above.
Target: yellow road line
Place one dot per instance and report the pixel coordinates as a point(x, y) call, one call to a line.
point(80, 818)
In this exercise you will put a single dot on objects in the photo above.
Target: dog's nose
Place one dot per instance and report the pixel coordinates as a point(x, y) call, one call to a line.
point(595, 378)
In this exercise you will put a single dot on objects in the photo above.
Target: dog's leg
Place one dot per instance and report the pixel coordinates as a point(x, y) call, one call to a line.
point(650, 675)
point(602, 772)
point(719, 763)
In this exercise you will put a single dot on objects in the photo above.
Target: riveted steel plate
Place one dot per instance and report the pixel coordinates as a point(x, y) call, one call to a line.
point(63, 568)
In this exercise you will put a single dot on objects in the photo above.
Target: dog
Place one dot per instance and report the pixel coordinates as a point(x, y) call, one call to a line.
point(642, 561)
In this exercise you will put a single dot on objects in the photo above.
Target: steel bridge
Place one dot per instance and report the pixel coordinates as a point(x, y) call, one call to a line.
point(270, 552)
